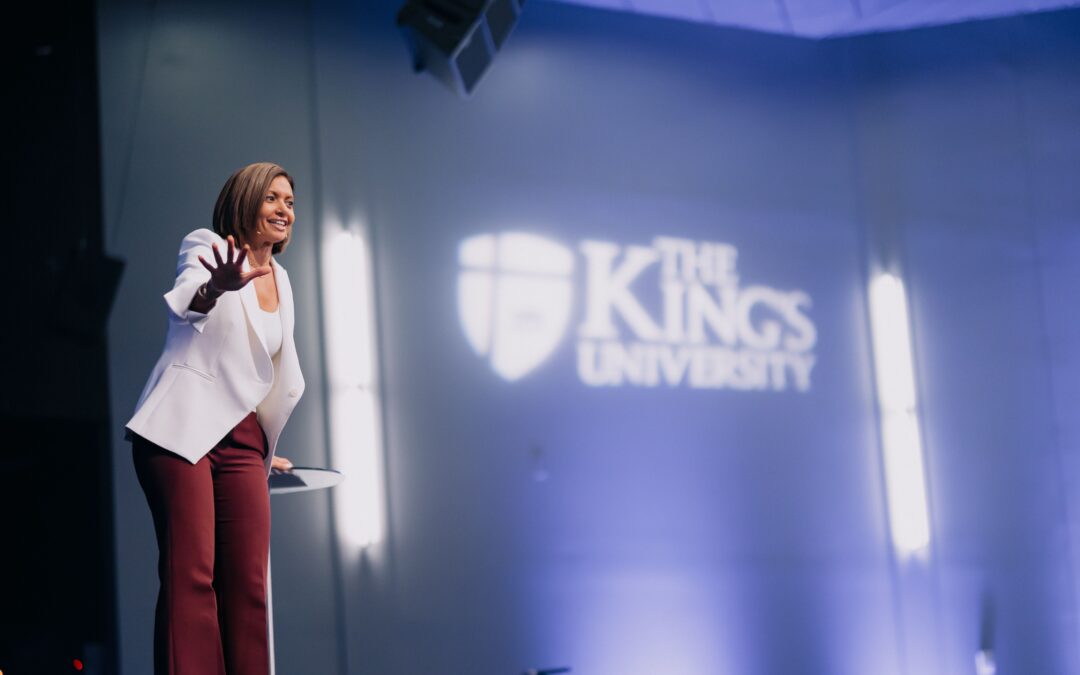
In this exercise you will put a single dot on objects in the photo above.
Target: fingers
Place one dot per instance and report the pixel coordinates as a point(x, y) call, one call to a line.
point(217, 255)
point(232, 248)
point(243, 254)
point(207, 265)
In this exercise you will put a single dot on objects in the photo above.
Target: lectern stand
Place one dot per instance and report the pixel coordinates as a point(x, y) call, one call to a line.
point(297, 479)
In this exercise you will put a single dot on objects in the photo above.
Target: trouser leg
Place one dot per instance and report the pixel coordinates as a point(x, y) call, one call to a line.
point(187, 640)
point(242, 508)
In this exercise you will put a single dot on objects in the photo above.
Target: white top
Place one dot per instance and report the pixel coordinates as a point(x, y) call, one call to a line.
point(272, 330)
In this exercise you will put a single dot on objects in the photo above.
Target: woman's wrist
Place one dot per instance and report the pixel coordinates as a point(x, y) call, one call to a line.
point(202, 302)
point(209, 292)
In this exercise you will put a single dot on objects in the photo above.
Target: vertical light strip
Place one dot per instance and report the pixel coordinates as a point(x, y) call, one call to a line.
point(901, 442)
point(355, 434)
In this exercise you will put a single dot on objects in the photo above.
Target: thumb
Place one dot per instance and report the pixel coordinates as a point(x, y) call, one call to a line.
point(259, 272)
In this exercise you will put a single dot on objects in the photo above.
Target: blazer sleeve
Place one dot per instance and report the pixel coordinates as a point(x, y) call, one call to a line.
point(190, 274)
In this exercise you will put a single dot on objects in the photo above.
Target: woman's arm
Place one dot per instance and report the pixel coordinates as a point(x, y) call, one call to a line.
point(205, 298)
point(199, 284)
point(190, 275)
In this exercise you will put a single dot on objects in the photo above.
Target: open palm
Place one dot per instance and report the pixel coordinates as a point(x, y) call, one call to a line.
point(229, 275)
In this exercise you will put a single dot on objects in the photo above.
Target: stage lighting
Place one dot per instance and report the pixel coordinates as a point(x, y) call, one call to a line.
point(456, 40)
point(984, 663)
point(351, 357)
point(894, 370)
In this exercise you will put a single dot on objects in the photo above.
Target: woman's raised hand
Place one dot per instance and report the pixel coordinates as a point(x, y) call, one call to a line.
point(229, 275)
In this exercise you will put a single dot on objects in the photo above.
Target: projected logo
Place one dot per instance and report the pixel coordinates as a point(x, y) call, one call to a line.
point(705, 329)
point(514, 296)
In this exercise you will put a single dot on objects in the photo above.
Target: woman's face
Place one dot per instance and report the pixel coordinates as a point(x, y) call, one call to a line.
point(275, 215)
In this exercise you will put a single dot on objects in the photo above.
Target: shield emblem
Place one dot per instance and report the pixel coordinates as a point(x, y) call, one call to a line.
point(514, 298)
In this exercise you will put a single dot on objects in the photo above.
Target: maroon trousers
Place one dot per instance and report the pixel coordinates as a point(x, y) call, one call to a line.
point(212, 521)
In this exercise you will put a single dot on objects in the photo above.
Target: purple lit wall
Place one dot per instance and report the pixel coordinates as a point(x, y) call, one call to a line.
point(540, 521)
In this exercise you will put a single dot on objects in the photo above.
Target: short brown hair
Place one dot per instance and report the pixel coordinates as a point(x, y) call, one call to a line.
point(241, 198)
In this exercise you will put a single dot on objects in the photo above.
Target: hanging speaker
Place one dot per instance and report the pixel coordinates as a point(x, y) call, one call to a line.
point(456, 40)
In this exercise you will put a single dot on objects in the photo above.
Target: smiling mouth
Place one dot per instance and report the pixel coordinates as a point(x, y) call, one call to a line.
point(278, 223)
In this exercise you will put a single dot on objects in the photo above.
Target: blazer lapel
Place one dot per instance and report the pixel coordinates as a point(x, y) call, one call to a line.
point(285, 299)
point(290, 365)
point(250, 300)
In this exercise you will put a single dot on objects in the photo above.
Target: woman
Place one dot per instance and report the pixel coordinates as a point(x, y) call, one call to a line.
point(206, 426)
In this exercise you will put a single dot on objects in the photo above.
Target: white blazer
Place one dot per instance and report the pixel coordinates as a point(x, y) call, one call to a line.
point(215, 368)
